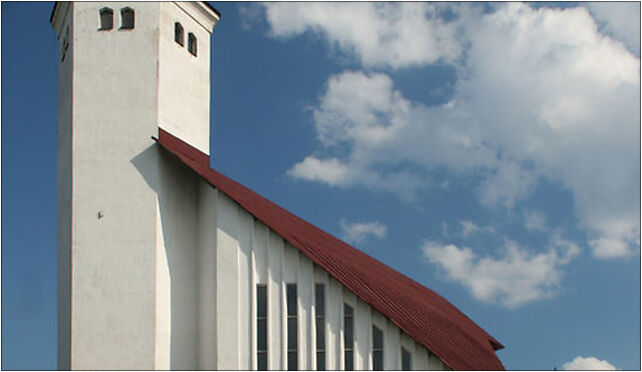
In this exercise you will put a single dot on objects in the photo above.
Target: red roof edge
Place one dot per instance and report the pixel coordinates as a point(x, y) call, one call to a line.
point(423, 314)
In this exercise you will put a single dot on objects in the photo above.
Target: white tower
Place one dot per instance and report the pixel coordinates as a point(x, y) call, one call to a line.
point(125, 69)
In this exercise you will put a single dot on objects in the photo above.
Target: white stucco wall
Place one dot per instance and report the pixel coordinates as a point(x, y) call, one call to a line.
point(184, 79)
point(126, 237)
point(207, 278)
point(112, 207)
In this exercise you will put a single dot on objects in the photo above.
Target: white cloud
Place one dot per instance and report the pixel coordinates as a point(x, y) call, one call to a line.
point(363, 112)
point(588, 364)
point(384, 34)
point(607, 247)
point(382, 129)
point(534, 221)
point(329, 171)
point(512, 279)
point(469, 228)
point(576, 94)
point(249, 15)
point(359, 107)
point(356, 232)
point(539, 93)
point(506, 184)
point(621, 20)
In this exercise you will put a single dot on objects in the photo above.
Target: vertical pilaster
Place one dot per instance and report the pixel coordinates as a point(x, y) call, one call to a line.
point(208, 291)
point(227, 264)
point(276, 303)
point(305, 280)
point(363, 342)
point(245, 284)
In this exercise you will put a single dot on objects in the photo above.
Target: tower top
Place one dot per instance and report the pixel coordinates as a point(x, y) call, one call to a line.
point(206, 14)
point(115, 44)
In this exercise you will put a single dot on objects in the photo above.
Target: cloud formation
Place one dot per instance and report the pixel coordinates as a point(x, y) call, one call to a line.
point(539, 93)
point(330, 171)
point(588, 364)
point(356, 232)
point(365, 113)
point(514, 278)
point(620, 20)
point(384, 34)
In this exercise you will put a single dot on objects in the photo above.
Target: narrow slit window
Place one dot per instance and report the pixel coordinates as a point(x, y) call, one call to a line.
point(191, 43)
point(106, 18)
point(261, 327)
point(293, 329)
point(319, 307)
point(406, 360)
point(348, 340)
point(377, 349)
point(179, 36)
point(127, 18)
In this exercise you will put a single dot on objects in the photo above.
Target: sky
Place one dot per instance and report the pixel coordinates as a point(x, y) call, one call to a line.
point(490, 152)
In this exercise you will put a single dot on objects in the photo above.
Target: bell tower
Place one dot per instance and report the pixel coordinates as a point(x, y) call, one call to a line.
point(125, 69)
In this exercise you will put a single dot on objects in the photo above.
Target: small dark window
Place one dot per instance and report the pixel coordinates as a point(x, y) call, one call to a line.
point(191, 43)
point(348, 340)
point(178, 34)
point(377, 349)
point(261, 327)
point(406, 360)
point(106, 18)
point(293, 340)
point(127, 18)
point(65, 44)
point(319, 307)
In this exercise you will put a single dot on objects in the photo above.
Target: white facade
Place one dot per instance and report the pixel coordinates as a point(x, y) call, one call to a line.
point(248, 253)
point(158, 269)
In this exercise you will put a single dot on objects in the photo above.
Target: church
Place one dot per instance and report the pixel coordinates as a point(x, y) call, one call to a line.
point(165, 263)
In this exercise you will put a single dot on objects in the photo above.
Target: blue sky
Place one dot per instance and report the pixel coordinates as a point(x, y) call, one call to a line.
point(490, 152)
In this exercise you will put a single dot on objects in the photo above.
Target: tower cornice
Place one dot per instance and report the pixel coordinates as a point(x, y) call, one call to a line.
point(203, 13)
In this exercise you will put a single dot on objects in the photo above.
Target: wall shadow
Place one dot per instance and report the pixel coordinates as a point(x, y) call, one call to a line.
point(176, 189)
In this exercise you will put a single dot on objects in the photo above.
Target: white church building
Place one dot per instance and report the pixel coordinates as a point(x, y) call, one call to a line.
point(164, 263)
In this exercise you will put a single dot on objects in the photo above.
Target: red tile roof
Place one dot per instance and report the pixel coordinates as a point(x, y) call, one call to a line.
point(423, 314)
